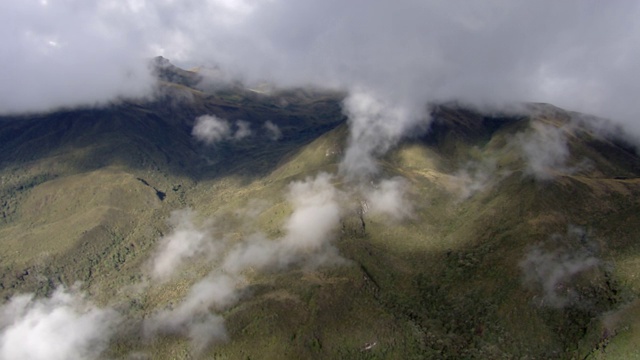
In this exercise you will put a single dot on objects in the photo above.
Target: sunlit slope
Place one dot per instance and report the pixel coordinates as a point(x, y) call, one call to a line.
point(475, 251)
point(86, 192)
point(451, 277)
point(500, 254)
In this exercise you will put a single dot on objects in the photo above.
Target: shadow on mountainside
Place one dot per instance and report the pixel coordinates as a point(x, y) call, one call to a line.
point(449, 279)
point(157, 136)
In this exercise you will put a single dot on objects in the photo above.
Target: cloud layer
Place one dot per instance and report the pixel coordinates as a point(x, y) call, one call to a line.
point(65, 53)
point(392, 57)
point(576, 54)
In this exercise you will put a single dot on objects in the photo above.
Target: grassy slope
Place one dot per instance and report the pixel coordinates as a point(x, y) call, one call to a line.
point(445, 283)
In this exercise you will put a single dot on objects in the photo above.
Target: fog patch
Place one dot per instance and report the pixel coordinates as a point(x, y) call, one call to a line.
point(545, 150)
point(474, 177)
point(214, 79)
point(308, 231)
point(375, 126)
point(306, 243)
point(554, 272)
point(390, 197)
point(185, 242)
point(211, 129)
point(606, 129)
point(194, 317)
point(63, 326)
point(316, 212)
point(243, 130)
point(273, 131)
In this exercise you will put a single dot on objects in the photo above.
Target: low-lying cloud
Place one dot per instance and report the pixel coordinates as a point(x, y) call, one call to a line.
point(390, 197)
point(576, 54)
point(309, 231)
point(186, 241)
point(376, 125)
point(554, 271)
point(211, 129)
point(393, 58)
point(545, 150)
point(273, 131)
point(194, 316)
point(243, 130)
point(475, 177)
point(63, 326)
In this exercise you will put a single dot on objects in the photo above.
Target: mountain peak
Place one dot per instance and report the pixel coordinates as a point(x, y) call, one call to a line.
point(166, 71)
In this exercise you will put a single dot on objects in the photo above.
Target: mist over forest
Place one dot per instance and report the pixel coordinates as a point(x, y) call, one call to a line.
point(319, 179)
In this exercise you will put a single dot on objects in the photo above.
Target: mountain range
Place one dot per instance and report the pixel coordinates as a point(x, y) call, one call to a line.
point(216, 221)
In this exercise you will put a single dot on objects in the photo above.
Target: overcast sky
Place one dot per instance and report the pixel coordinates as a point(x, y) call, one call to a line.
point(581, 55)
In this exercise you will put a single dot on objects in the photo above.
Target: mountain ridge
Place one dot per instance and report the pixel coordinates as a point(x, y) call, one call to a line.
point(492, 233)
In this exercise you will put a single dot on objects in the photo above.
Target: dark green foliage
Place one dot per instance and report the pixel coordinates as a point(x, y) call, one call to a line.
point(85, 195)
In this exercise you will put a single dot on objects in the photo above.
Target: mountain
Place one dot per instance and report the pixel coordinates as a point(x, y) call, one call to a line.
point(492, 235)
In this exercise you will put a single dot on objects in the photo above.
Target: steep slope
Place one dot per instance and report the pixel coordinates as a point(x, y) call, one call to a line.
point(500, 235)
point(92, 184)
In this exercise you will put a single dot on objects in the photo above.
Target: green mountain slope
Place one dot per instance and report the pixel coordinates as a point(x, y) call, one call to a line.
point(501, 252)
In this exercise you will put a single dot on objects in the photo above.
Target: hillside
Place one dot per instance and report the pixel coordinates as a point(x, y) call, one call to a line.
point(505, 235)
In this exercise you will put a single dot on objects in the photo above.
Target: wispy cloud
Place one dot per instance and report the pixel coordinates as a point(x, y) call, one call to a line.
point(211, 129)
point(309, 231)
point(375, 126)
point(243, 130)
point(273, 131)
point(185, 242)
point(474, 177)
point(545, 150)
point(194, 317)
point(553, 271)
point(390, 197)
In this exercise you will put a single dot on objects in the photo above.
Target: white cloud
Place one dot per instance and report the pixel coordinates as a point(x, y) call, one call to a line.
point(545, 150)
point(375, 126)
point(307, 243)
point(186, 241)
point(308, 231)
point(573, 53)
point(273, 131)
point(243, 130)
point(393, 57)
point(316, 212)
point(193, 317)
point(475, 177)
point(64, 326)
point(68, 53)
point(390, 198)
point(210, 129)
point(554, 271)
